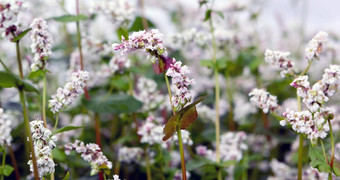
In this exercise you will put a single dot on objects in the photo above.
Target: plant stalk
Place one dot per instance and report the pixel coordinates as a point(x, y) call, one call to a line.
point(14, 163)
point(3, 162)
point(332, 142)
point(147, 161)
point(300, 153)
point(44, 101)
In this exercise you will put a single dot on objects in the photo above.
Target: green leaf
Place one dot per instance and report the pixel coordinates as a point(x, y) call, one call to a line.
point(207, 15)
point(69, 18)
point(122, 32)
point(195, 164)
point(66, 128)
point(318, 160)
point(67, 176)
point(207, 63)
point(336, 167)
point(8, 80)
point(36, 73)
point(21, 35)
point(137, 25)
point(59, 155)
point(5, 67)
point(6, 170)
point(220, 13)
point(115, 104)
point(196, 101)
point(188, 117)
point(170, 127)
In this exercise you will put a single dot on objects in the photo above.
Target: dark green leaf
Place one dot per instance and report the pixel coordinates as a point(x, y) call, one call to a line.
point(318, 160)
point(207, 15)
point(122, 32)
point(67, 176)
point(69, 18)
point(21, 35)
point(58, 155)
point(137, 25)
point(8, 80)
point(115, 104)
point(6, 170)
point(66, 128)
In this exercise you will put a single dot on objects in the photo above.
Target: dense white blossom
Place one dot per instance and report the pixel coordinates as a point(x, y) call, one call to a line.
point(43, 142)
point(5, 129)
point(181, 81)
point(151, 133)
point(91, 153)
point(192, 35)
point(315, 46)
point(280, 60)
point(119, 64)
point(66, 95)
point(263, 100)
point(41, 44)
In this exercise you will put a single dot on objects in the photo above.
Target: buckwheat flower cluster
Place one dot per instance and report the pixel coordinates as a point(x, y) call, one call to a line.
point(129, 155)
point(66, 95)
point(91, 153)
point(147, 93)
point(119, 64)
point(282, 171)
point(41, 44)
point(120, 12)
point(148, 41)
point(313, 125)
point(43, 142)
point(315, 46)
point(263, 100)
point(181, 81)
point(280, 60)
point(9, 10)
point(192, 35)
point(232, 145)
point(5, 129)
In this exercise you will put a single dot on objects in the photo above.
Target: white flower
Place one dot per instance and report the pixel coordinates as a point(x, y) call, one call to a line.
point(5, 129)
point(9, 10)
point(148, 93)
point(263, 100)
point(65, 96)
point(41, 44)
point(91, 153)
point(43, 142)
point(280, 60)
point(129, 155)
point(119, 64)
point(315, 46)
point(116, 177)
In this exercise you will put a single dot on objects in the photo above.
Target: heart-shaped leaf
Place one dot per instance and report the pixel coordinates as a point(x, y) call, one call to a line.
point(318, 160)
point(188, 117)
point(336, 167)
point(6, 170)
point(9, 80)
point(170, 127)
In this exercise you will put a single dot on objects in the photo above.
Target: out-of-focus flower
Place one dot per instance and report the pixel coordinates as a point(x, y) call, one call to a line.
point(280, 60)
point(65, 96)
point(151, 133)
point(232, 145)
point(263, 100)
point(315, 46)
point(43, 142)
point(119, 64)
point(91, 153)
point(148, 94)
point(9, 10)
point(120, 12)
point(5, 129)
point(116, 177)
point(129, 155)
point(41, 44)
point(182, 82)
point(178, 175)
point(281, 171)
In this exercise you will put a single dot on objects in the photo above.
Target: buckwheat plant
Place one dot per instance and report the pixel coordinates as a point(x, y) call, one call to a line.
point(315, 121)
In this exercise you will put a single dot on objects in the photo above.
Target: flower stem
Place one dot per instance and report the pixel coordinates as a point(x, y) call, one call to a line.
point(97, 127)
point(300, 144)
point(323, 151)
point(25, 113)
point(180, 143)
point(3, 162)
point(217, 98)
point(147, 161)
point(44, 101)
point(14, 162)
point(332, 142)
point(56, 121)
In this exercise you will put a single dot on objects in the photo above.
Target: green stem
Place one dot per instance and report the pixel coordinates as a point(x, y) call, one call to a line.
point(180, 143)
point(25, 113)
point(323, 151)
point(44, 101)
point(56, 121)
point(217, 98)
point(147, 161)
point(300, 153)
point(332, 142)
point(306, 70)
point(3, 162)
